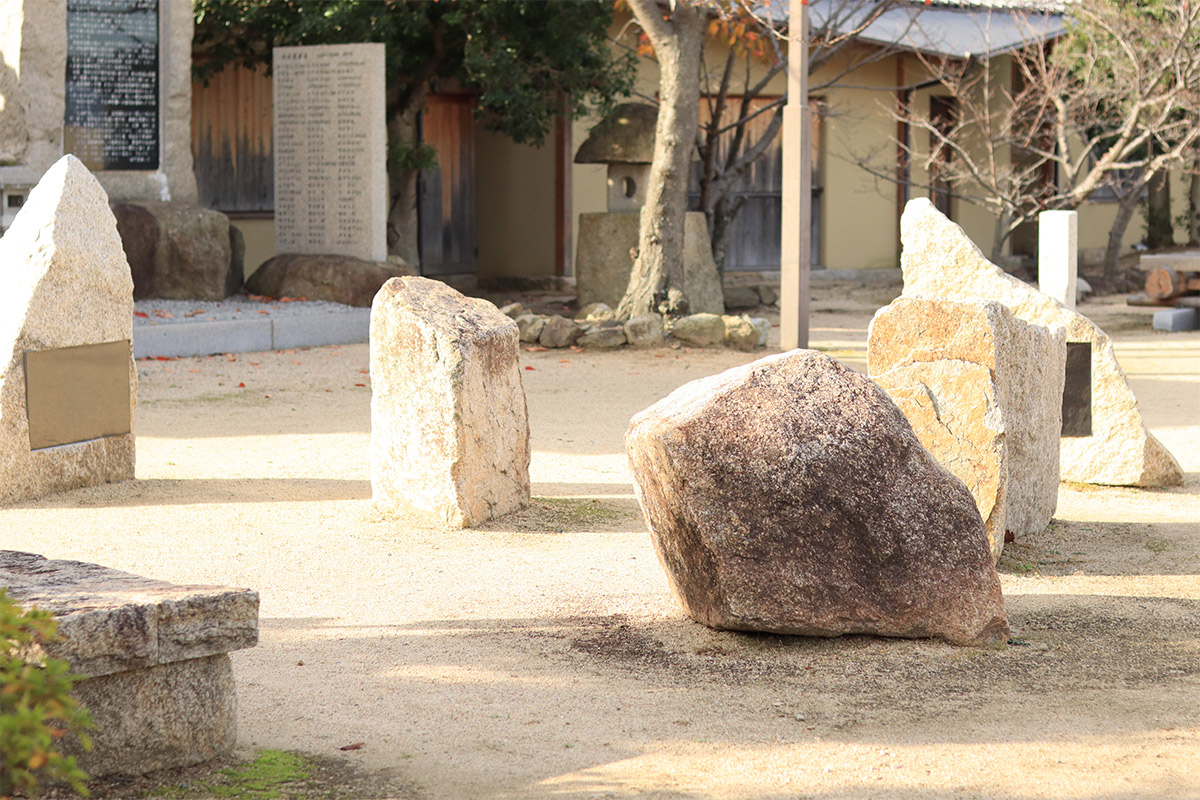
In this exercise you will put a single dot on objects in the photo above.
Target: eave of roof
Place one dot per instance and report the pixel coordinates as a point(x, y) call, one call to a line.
point(947, 28)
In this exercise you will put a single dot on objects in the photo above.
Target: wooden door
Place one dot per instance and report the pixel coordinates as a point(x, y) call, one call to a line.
point(446, 193)
point(232, 142)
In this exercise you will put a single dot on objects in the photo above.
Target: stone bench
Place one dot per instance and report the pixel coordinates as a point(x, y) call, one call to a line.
point(153, 656)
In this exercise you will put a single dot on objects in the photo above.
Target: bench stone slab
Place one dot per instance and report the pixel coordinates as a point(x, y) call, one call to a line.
point(157, 677)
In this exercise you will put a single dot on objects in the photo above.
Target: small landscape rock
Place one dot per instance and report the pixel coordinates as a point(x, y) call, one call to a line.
point(763, 326)
point(701, 330)
point(739, 297)
point(645, 330)
point(512, 310)
point(604, 335)
point(559, 332)
point(767, 294)
point(740, 333)
point(595, 312)
point(529, 326)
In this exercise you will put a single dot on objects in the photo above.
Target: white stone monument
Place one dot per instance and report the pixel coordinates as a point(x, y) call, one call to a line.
point(1058, 255)
point(330, 151)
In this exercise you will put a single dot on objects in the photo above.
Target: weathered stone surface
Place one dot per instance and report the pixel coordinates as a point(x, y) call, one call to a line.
point(702, 330)
point(741, 333)
point(603, 335)
point(64, 283)
point(768, 295)
point(940, 261)
point(157, 679)
point(791, 495)
point(763, 325)
point(166, 716)
point(178, 251)
point(983, 391)
point(741, 297)
point(449, 427)
point(529, 327)
point(644, 330)
point(603, 261)
point(626, 135)
point(114, 621)
point(595, 312)
point(559, 332)
point(338, 279)
point(512, 310)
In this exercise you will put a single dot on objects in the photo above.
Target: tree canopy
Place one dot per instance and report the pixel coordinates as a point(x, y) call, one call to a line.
point(524, 58)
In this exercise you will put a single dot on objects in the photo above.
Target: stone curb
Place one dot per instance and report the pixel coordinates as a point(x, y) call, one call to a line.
point(182, 339)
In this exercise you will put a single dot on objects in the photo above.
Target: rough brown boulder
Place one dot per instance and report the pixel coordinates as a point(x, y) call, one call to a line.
point(179, 251)
point(790, 495)
point(337, 279)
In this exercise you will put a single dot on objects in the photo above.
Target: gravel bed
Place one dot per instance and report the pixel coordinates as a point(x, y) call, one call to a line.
point(235, 307)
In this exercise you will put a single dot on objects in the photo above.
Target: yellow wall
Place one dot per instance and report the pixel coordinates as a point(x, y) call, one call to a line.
point(259, 236)
point(515, 207)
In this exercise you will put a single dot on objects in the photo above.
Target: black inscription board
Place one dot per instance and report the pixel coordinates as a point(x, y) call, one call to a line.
point(112, 83)
point(1077, 391)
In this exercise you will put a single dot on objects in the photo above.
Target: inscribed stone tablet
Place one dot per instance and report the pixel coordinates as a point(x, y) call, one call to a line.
point(330, 144)
point(74, 394)
point(112, 93)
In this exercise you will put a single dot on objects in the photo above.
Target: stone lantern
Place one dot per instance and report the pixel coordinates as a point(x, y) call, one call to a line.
point(624, 140)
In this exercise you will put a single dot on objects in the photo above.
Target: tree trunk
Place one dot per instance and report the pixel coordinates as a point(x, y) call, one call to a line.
point(1116, 234)
point(1159, 228)
point(1000, 237)
point(402, 224)
point(656, 281)
point(1194, 206)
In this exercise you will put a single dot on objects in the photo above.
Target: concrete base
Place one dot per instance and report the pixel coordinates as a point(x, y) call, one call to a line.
point(1174, 320)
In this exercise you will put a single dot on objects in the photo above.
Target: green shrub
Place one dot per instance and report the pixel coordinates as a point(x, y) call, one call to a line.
point(36, 708)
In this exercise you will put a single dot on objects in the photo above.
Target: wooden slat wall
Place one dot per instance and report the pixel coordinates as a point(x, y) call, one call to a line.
point(231, 141)
point(754, 242)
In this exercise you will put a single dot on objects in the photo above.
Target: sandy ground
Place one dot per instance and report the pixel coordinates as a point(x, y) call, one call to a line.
point(541, 656)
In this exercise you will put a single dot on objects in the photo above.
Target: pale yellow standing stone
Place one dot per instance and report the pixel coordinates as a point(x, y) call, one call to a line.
point(449, 427)
point(983, 391)
point(940, 261)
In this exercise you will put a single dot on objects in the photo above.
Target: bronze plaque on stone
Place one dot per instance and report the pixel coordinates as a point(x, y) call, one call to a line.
point(1077, 391)
point(73, 394)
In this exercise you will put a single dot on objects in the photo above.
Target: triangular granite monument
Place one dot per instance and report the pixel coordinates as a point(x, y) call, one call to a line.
point(1104, 439)
point(68, 386)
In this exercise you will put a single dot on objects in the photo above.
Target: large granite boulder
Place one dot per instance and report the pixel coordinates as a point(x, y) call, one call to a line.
point(791, 495)
point(1104, 439)
point(69, 385)
point(180, 251)
point(337, 279)
point(153, 658)
point(449, 427)
point(603, 261)
point(983, 392)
